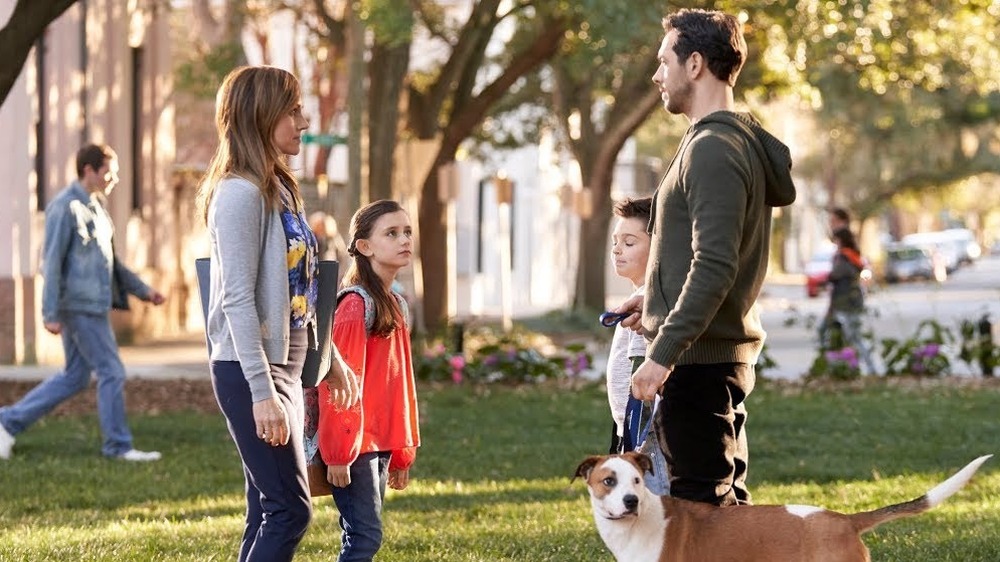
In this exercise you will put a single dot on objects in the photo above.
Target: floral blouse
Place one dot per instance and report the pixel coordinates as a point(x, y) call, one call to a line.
point(303, 265)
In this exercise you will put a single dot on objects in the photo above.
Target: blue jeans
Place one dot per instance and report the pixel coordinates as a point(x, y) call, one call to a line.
point(278, 506)
point(360, 506)
point(90, 346)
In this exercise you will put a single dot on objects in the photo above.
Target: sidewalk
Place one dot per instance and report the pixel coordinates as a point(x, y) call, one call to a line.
point(175, 357)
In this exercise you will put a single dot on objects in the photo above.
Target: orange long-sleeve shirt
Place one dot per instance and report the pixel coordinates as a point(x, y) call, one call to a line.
point(385, 418)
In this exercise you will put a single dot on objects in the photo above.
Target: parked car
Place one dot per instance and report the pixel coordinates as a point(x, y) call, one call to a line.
point(906, 263)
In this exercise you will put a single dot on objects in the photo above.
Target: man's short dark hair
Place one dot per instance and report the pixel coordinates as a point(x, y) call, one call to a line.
point(634, 208)
point(93, 155)
point(717, 36)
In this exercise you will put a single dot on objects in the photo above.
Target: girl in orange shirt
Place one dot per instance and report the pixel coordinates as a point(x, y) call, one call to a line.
point(374, 442)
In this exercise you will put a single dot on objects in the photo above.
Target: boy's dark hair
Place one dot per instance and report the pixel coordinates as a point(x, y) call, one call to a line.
point(93, 155)
point(629, 208)
point(717, 36)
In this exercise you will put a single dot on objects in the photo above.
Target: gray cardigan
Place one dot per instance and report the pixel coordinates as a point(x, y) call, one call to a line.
point(249, 305)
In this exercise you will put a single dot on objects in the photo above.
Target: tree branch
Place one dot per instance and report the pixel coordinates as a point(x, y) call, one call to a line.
point(26, 24)
point(540, 50)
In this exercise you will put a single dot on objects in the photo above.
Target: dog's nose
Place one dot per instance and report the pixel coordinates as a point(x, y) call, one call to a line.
point(631, 502)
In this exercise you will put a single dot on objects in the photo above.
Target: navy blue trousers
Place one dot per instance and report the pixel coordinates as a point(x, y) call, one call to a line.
point(278, 505)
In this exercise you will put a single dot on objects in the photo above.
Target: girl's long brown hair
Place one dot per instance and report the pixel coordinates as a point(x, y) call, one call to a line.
point(250, 102)
point(387, 310)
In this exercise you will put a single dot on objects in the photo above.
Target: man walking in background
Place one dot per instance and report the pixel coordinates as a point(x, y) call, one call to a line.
point(83, 281)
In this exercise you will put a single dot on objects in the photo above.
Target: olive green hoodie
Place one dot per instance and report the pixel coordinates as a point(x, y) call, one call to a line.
point(710, 228)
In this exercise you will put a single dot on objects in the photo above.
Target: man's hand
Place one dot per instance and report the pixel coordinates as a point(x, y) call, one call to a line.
point(399, 479)
point(271, 421)
point(339, 475)
point(342, 382)
point(156, 298)
point(634, 307)
point(648, 379)
point(54, 327)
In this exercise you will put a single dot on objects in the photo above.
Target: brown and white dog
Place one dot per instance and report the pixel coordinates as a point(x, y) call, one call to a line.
point(638, 526)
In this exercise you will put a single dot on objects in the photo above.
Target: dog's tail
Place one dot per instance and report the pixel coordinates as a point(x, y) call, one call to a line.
point(870, 519)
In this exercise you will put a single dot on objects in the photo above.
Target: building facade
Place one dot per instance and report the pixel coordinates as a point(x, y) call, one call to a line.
point(100, 73)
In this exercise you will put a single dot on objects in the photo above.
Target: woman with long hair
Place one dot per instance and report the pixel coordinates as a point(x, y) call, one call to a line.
point(262, 304)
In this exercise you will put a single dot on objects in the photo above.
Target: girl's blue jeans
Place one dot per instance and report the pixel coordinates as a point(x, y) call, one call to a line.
point(360, 506)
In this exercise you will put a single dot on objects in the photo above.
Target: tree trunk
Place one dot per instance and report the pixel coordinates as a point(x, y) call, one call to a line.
point(779, 233)
point(601, 149)
point(434, 249)
point(387, 72)
point(355, 119)
point(26, 24)
point(593, 244)
point(462, 120)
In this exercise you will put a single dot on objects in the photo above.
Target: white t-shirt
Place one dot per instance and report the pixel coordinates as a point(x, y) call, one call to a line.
point(625, 344)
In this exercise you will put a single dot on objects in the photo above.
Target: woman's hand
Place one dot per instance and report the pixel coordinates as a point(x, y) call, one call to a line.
point(342, 382)
point(339, 475)
point(272, 421)
point(399, 479)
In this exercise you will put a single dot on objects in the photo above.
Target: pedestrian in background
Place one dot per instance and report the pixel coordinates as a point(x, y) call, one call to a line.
point(262, 304)
point(839, 219)
point(331, 243)
point(847, 301)
point(710, 228)
point(374, 443)
point(83, 281)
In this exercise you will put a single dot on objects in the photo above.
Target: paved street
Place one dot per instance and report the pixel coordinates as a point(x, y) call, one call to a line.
point(897, 310)
point(968, 293)
point(182, 357)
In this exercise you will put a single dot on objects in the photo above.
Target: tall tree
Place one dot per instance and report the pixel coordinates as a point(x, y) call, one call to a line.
point(449, 102)
point(601, 94)
point(905, 91)
point(392, 23)
point(26, 24)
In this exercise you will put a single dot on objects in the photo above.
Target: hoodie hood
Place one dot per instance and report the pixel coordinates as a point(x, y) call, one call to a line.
point(780, 190)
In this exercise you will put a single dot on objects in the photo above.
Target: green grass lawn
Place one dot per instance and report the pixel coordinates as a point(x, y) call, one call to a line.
point(492, 480)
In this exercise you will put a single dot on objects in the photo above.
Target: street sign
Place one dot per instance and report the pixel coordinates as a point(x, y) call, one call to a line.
point(323, 139)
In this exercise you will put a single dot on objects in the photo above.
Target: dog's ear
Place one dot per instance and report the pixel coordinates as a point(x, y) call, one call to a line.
point(583, 471)
point(642, 460)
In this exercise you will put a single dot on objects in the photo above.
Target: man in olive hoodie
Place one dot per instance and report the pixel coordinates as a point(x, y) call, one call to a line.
point(710, 229)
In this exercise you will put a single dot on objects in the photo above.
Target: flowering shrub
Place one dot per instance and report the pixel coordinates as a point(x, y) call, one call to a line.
point(492, 357)
point(436, 363)
point(921, 354)
point(840, 364)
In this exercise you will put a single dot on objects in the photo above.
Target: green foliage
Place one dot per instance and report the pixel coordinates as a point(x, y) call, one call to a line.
point(764, 362)
point(201, 74)
point(391, 21)
point(977, 345)
point(921, 354)
point(492, 477)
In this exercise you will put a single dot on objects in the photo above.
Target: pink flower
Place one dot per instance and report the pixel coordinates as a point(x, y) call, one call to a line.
point(456, 376)
point(457, 362)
